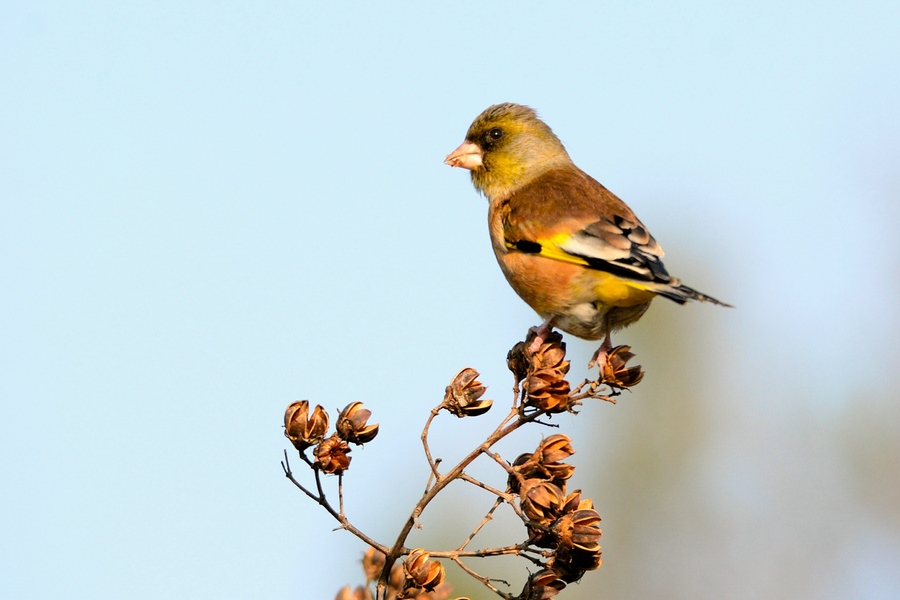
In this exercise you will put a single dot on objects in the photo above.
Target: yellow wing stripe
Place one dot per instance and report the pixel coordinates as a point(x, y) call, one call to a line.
point(550, 249)
point(609, 289)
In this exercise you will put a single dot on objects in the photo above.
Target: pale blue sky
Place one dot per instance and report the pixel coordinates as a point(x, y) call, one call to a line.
point(208, 210)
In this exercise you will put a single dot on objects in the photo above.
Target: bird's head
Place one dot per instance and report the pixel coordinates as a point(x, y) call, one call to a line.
point(506, 147)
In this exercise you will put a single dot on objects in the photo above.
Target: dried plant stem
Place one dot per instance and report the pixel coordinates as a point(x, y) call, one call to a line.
point(562, 529)
point(485, 580)
point(341, 495)
point(513, 421)
point(424, 437)
point(323, 501)
point(509, 498)
point(500, 495)
point(501, 551)
point(593, 386)
point(484, 521)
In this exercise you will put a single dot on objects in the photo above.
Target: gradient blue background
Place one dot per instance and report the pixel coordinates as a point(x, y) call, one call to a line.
point(208, 210)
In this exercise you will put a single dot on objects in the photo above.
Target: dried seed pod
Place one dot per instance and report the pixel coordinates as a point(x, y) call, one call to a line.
point(541, 501)
point(578, 526)
point(571, 565)
point(547, 390)
point(545, 383)
point(578, 530)
point(518, 360)
point(441, 592)
point(305, 430)
point(373, 563)
point(421, 571)
point(521, 469)
point(462, 396)
point(577, 533)
point(545, 461)
point(332, 455)
point(396, 580)
point(351, 424)
point(551, 354)
point(360, 593)
point(553, 449)
point(575, 502)
point(613, 371)
point(542, 585)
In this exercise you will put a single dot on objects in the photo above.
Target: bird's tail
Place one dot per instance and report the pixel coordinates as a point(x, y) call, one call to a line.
point(680, 293)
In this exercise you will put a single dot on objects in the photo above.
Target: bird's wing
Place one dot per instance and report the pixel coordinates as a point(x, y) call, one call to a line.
point(617, 245)
point(566, 215)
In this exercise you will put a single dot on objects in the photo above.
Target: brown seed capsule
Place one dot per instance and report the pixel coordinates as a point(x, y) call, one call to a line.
point(578, 526)
point(520, 468)
point(462, 396)
point(613, 371)
point(577, 534)
point(541, 501)
point(545, 383)
point(305, 430)
point(547, 390)
point(578, 530)
point(542, 585)
point(518, 360)
point(396, 580)
point(373, 563)
point(586, 532)
point(331, 455)
point(551, 354)
point(441, 592)
point(423, 572)
point(574, 502)
point(351, 424)
point(545, 463)
point(571, 565)
point(553, 449)
point(360, 593)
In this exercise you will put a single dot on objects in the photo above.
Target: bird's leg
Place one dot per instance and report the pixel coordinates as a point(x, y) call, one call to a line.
point(600, 356)
point(540, 334)
point(602, 352)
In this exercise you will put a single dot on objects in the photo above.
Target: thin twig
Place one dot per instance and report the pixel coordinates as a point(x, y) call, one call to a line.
point(484, 521)
point(512, 415)
point(499, 460)
point(593, 392)
point(512, 473)
point(323, 501)
point(431, 476)
point(287, 472)
point(501, 495)
point(424, 437)
point(485, 580)
point(501, 551)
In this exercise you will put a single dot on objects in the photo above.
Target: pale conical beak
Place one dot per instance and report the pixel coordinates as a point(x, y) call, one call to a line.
point(468, 156)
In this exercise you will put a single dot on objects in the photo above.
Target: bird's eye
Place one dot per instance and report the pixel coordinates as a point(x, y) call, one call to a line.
point(495, 134)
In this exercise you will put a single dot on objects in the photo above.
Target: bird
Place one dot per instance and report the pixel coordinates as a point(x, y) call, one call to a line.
point(569, 247)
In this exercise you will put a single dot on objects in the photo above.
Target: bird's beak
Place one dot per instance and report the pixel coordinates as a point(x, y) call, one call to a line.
point(468, 156)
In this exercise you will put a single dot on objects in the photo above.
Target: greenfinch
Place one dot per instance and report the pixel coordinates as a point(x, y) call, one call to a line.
point(568, 246)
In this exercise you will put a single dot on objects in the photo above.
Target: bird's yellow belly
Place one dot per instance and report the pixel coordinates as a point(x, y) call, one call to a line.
point(614, 291)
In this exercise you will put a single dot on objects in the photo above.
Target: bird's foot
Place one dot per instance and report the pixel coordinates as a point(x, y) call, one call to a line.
point(540, 335)
point(601, 356)
point(536, 343)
